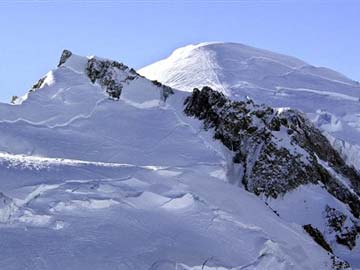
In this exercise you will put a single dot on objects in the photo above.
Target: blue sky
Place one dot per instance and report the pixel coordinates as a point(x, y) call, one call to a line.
point(139, 32)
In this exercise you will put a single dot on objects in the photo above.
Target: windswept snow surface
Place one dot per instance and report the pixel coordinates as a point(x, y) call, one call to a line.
point(329, 98)
point(90, 183)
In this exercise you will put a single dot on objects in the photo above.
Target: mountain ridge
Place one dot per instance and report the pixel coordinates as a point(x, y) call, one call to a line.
point(117, 166)
point(330, 99)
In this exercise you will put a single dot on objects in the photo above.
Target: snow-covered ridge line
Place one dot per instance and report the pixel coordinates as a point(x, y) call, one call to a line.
point(226, 53)
point(136, 176)
point(111, 75)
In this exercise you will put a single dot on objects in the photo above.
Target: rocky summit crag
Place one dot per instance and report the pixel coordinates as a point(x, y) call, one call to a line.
point(112, 75)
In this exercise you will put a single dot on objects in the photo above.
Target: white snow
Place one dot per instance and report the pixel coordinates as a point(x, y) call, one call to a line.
point(83, 204)
point(185, 201)
point(34, 220)
point(92, 183)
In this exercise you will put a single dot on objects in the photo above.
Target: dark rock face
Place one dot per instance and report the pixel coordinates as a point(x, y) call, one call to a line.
point(335, 219)
point(113, 75)
point(106, 73)
point(311, 139)
point(37, 85)
point(13, 99)
point(277, 151)
point(66, 54)
point(346, 229)
point(318, 237)
point(338, 264)
point(349, 237)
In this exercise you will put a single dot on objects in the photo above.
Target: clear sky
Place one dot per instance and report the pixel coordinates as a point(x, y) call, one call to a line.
point(139, 32)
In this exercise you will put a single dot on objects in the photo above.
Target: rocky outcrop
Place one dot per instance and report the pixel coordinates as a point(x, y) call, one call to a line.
point(277, 151)
point(318, 237)
point(14, 99)
point(339, 264)
point(110, 75)
point(346, 229)
point(335, 219)
point(66, 54)
point(113, 75)
point(38, 85)
point(311, 139)
point(349, 237)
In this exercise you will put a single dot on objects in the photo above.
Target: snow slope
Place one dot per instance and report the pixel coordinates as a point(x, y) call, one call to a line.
point(89, 182)
point(329, 98)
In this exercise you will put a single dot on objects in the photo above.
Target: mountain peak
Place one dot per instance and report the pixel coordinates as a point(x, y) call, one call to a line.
point(91, 72)
point(96, 145)
point(241, 51)
point(278, 80)
point(228, 64)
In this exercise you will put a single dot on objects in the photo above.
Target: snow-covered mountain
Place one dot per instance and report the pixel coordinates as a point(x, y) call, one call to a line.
point(330, 99)
point(101, 168)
